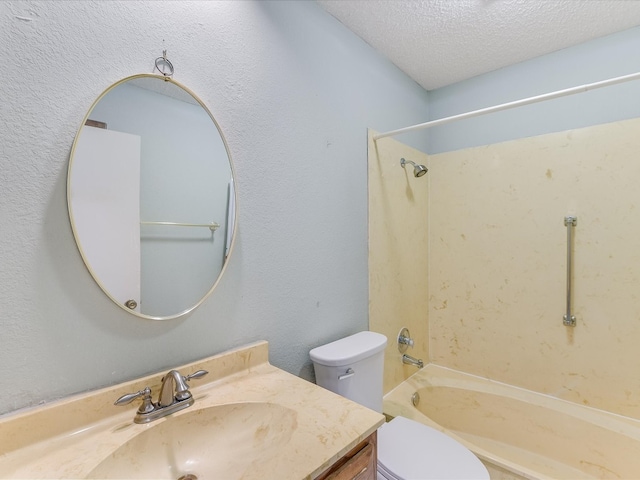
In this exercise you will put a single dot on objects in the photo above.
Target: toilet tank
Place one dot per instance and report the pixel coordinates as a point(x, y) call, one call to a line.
point(353, 367)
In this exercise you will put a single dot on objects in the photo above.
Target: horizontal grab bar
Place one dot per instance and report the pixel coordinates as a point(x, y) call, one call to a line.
point(213, 226)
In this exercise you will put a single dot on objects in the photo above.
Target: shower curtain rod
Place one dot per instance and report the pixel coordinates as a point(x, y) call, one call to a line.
point(506, 106)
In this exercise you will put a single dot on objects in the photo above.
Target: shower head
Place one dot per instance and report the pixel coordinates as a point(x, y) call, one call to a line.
point(418, 170)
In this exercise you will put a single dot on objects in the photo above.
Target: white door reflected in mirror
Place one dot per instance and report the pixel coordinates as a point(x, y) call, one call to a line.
point(107, 218)
point(142, 220)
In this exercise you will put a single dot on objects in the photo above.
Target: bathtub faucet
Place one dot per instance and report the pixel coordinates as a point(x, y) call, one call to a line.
point(409, 360)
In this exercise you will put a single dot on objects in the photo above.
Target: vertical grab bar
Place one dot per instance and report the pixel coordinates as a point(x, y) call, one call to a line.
point(568, 319)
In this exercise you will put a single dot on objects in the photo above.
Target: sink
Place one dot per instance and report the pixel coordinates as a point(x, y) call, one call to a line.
point(221, 441)
point(250, 421)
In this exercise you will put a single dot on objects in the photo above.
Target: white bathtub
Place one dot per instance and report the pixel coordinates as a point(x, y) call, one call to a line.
point(519, 433)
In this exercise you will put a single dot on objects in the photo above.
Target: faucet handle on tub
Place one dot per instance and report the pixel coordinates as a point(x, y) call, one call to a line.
point(147, 405)
point(404, 340)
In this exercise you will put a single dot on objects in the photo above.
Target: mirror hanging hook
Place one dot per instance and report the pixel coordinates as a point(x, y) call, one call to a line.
point(164, 66)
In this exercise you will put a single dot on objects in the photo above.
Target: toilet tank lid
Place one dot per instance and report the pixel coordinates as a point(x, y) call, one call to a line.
point(349, 349)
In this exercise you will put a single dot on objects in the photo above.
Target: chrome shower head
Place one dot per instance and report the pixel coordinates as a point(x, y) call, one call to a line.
point(418, 170)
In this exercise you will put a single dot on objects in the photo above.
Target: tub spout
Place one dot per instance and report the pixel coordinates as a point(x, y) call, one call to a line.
point(409, 360)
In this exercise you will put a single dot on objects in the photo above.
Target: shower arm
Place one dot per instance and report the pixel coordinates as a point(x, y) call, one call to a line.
point(418, 170)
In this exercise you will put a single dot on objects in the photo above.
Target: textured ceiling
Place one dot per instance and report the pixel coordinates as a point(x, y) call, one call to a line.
point(440, 42)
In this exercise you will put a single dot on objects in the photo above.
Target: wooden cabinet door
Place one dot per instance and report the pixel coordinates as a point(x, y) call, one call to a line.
point(359, 464)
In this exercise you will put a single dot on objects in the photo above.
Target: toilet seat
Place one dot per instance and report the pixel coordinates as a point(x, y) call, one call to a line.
point(408, 450)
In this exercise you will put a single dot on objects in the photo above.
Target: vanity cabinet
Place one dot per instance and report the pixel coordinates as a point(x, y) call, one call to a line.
point(359, 464)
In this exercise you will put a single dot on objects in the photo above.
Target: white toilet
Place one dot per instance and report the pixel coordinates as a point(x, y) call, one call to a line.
point(407, 450)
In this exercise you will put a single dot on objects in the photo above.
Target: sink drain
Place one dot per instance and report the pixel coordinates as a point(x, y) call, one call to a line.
point(188, 476)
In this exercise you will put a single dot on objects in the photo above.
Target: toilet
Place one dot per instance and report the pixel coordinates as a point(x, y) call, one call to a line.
point(407, 450)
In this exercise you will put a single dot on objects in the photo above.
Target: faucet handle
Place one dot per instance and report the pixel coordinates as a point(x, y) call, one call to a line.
point(198, 374)
point(404, 340)
point(182, 391)
point(147, 404)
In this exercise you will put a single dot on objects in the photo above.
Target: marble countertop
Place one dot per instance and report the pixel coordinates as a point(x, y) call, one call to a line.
point(69, 438)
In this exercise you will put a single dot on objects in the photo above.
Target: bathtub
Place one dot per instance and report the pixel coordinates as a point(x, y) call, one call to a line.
point(518, 433)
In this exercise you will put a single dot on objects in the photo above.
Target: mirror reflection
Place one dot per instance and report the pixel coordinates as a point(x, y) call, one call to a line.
point(151, 197)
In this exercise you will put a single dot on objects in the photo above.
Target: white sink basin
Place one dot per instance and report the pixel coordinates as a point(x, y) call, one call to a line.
point(218, 442)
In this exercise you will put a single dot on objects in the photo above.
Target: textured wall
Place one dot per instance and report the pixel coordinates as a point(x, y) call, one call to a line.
point(398, 253)
point(293, 91)
point(497, 265)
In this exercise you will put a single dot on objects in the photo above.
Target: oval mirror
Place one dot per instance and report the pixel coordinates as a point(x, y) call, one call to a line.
point(151, 196)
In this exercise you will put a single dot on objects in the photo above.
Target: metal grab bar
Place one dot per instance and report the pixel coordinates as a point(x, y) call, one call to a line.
point(212, 226)
point(568, 319)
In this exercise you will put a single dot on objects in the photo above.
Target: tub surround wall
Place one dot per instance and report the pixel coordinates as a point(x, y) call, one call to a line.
point(398, 252)
point(498, 263)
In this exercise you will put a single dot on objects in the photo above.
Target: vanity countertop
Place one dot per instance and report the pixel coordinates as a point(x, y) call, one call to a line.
point(69, 438)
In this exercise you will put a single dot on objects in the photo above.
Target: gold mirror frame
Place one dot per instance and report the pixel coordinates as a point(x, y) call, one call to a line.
point(74, 228)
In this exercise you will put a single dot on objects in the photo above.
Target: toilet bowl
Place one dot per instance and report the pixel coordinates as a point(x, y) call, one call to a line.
point(407, 450)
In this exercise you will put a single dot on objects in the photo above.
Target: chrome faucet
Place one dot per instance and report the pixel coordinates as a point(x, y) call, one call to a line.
point(174, 389)
point(174, 396)
point(409, 360)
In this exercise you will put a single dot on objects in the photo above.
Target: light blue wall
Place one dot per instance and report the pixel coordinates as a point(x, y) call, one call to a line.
point(596, 60)
point(294, 93)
